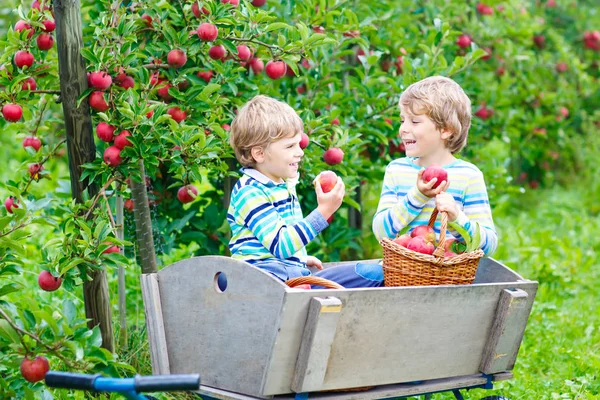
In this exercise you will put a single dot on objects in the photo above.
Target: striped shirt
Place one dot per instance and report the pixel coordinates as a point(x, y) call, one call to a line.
point(401, 204)
point(267, 224)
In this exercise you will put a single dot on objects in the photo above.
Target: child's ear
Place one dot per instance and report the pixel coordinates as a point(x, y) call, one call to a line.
point(258, 153)
point(446, 134)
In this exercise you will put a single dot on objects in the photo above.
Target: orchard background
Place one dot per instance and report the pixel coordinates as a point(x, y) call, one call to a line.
point(530, 68)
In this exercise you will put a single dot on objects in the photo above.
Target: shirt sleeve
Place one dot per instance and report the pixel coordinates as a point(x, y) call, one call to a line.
point(477, 209)
point(253, 209)
point(395, 211)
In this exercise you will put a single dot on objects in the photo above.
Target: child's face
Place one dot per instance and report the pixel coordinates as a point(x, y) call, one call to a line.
point(280, 159)
point(421, 137)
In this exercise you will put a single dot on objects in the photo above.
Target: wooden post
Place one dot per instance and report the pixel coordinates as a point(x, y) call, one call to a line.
point(143, 223)
point(81, 148)
point(121, 276)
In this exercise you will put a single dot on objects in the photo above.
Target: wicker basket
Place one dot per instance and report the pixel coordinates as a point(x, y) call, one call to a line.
point(404, 267)
point(313, 280)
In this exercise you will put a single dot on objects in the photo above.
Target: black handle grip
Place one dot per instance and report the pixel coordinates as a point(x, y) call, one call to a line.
point(70, 380)
point(165, 383)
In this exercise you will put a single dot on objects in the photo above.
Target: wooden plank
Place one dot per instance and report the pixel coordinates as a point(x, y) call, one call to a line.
point(506, 331)
point(315, 347)
point(155, 324)
point(379, 392)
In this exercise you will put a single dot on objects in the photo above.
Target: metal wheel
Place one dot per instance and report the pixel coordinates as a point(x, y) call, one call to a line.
point(495, 398)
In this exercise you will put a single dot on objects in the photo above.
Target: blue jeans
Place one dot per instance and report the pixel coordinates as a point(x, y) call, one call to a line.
point(358, 275)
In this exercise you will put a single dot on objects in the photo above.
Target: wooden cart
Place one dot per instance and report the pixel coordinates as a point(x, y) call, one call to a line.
point(259, 338)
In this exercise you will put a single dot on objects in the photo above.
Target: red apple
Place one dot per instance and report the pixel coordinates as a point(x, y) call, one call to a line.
point(176, 58)
point(448, 254)
point(420, 245)
point(34, 370)
point(257, 65)
point(258, 3)
point(121, 140)
point(111, 249)
point(147, 19)
point(208, 32)
point(464, 41)
point(32, 141)
point(44, 41)
point(484, 9)
point(333, 156)
point(29, 84)
point(49, 25)
point(105, 132)
point(206, 75)
point(448, 243)
point(128, 204)
point(197, 10)
point(562, 67)
point(484, 113)
point(275, 69)
point(10, 203)
point(23, 58)
point(244, 52)
point(21, 26)
point(126, 82)
point(424, 231)
point(187, 193)
point(12, 112)
point(327, 179)
point(539, 41)
point(177, 114)
point(318, 29)
point(112, 156)
point(48, 282)
point(403, 240)
point(34, 170)
point(97, 101)
point(217, 52)
point(36, 5)
point(435, 171)
point(304, 141)
point(352, 33)
point(99, 80)
point(163, 91)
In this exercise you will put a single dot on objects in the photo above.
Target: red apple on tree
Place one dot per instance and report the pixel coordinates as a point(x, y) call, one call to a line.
point(464, 41)
point(217, 52)
point(22, 26)
point(147, 19)
point(333, 156)
point(163, 91)
point(49, 26)
point(275, 69)
point(29, 84)
point(34, 170)
point(97, 101)
point(105, 132)
point(44, 41)
point(328, 180)
point(424, 231)
point(23, 59)
point(435, 171)
point(197, 10)
point(205, 75)
point(257, 65)
point(111, 249)
point(304, 140)
point(12, 112)
point(10, 203)
point(176, 58)
point(121, 140)
point(187, 193)
point(539, 41)
point(128, 204)
point(208, 32)
point(99, 80)
point(177, 114)
point(48, 282)
point(244, 52)
point(112, 156)
point(258, 3)
point(34, 370)
point(32, 141)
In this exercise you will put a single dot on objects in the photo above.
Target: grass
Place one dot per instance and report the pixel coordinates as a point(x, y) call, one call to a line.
point(553, 237)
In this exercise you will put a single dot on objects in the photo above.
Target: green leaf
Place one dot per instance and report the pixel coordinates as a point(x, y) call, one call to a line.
point(69, 310)
point(276, 26)
point(64, 268)
point(4, 221)
point(8, 332)
point(10, 288)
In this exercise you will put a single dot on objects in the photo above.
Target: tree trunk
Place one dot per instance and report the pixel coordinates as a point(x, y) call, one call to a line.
point(81, 148)
point(143, 223)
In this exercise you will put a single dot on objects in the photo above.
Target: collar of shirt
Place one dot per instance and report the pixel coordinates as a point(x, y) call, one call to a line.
point(259, 176)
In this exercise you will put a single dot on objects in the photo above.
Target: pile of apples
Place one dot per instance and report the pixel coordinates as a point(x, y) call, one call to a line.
point(422, 240)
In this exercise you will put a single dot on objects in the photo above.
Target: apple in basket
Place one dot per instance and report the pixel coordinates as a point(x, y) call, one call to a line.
point(424, 231)
point(402, 240)
point(420, 245)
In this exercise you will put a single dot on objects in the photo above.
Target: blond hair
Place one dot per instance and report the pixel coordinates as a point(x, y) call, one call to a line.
point(260, 122)
point(445, 102)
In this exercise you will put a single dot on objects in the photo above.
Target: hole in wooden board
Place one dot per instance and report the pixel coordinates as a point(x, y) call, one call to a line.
point(220, 282)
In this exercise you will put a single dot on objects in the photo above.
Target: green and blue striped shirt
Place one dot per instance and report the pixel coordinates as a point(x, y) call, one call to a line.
point(401, 204)
point(267, 224)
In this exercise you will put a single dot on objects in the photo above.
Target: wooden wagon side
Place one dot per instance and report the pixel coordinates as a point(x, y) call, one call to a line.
point(261, 338)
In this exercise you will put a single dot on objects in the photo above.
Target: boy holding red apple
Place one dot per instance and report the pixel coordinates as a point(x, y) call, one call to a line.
point(436, 116)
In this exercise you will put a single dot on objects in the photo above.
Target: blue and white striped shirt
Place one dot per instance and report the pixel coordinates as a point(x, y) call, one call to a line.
point(401, 204)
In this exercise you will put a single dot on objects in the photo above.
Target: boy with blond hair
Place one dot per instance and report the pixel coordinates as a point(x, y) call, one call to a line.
point(436, 116)
point(268, 229)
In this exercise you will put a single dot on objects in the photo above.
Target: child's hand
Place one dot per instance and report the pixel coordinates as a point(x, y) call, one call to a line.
point(427, 188)
point(331, 201)
point(445, 202)
point(314, 262)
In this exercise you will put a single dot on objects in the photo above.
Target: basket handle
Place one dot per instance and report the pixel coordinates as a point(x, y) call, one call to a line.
point(441, 249)
point(313, 280)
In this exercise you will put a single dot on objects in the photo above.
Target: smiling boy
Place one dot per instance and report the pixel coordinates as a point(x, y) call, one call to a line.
point(268, 229)
point(436, 116)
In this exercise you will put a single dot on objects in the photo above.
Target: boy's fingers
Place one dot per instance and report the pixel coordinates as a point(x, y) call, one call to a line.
point(318, 188)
